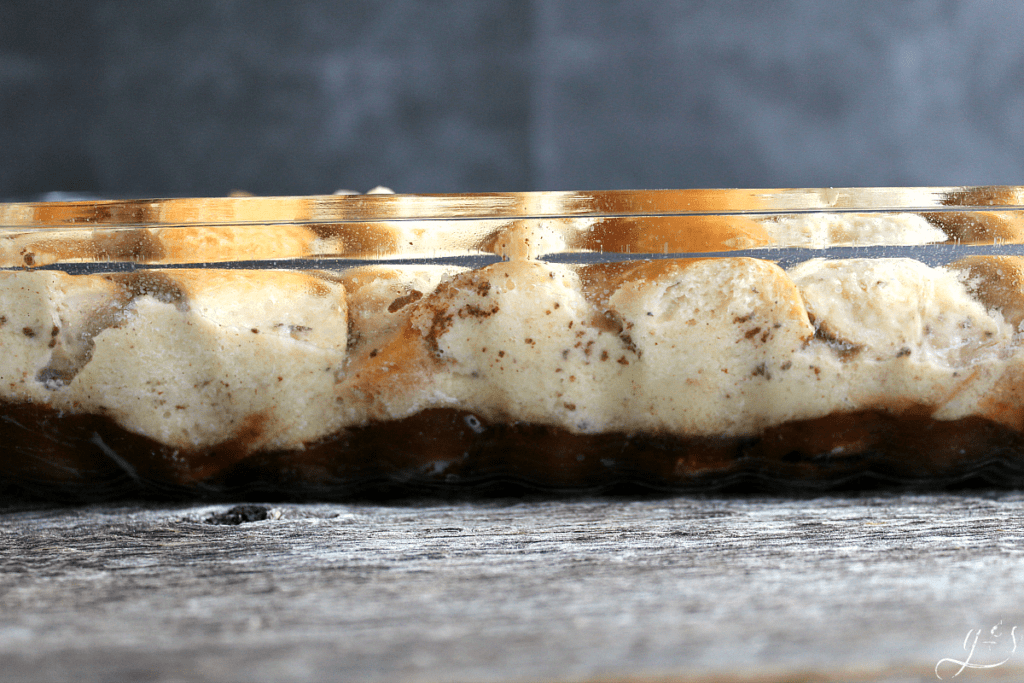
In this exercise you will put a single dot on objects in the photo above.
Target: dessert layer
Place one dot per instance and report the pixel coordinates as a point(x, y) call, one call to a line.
point(201, 373)
point(696, 347)
point(90, 456)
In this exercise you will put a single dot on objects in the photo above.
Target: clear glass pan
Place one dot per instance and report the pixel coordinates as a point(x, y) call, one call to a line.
point(341, 345)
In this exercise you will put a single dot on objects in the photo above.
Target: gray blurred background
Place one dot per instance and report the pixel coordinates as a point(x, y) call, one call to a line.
point(186, 97)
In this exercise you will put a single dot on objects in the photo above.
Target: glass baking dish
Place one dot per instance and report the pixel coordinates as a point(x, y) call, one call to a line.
point(332, 346)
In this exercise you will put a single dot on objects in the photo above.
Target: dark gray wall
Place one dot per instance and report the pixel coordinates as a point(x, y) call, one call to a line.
point(199, 97)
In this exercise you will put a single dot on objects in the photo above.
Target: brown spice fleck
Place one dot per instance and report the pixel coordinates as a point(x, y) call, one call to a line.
point(413, 296)
point(28, 332)
point(604, 355)
point(569, 406)
point(630, 345)
point(474, 311)
point(441, 323)
point(622, 361)
point(844, 349)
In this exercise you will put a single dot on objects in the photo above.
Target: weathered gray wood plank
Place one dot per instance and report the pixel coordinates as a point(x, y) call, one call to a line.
point(878, 587)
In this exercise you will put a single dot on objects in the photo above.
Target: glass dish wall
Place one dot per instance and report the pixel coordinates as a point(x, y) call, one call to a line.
point(681, 340)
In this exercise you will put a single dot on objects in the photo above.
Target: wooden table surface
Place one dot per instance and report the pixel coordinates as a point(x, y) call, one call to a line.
point(869, 587)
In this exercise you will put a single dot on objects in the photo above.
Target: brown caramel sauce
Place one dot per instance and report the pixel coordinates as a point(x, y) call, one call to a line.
point(89, 456)
point(979, 227)
point(997, 282)
point(674, 234)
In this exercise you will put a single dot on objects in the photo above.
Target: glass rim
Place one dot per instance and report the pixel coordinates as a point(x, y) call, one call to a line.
point(243, 210)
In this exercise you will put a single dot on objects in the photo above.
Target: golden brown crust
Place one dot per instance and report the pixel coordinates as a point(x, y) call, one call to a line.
point(674, 235)
point(980, 227)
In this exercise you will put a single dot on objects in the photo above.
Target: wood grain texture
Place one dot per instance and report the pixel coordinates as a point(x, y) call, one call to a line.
point(871, 587)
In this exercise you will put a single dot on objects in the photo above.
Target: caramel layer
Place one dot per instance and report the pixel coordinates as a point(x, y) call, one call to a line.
point(90, 457)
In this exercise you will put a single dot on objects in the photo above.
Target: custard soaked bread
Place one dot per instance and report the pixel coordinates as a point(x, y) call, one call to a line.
point(674, 372)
